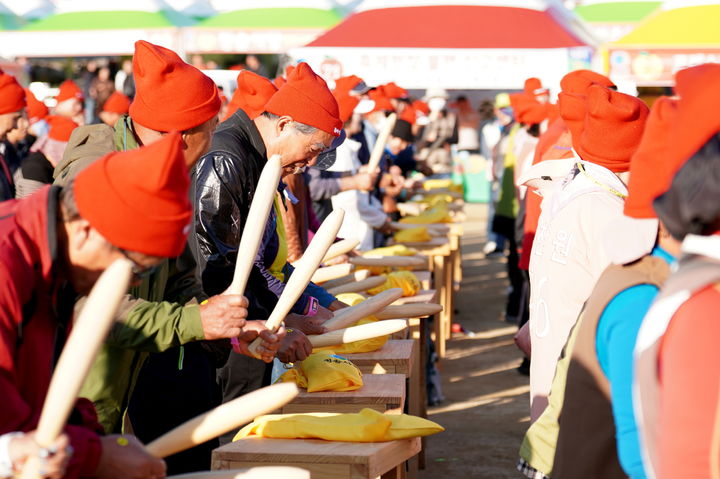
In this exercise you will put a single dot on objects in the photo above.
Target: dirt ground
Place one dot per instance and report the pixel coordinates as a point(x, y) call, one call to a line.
point(486, 407)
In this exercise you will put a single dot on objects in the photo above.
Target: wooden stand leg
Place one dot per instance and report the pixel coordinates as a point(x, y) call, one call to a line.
point(415, 396)
point(457, 261)
point(449, 291)
point(440, 279)
point(396, 473)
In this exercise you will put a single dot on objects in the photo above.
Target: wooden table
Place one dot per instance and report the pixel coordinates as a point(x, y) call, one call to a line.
point(395, 357)
point(440, 251)
point(400, 356)
point(324, 459)
point(381, 392)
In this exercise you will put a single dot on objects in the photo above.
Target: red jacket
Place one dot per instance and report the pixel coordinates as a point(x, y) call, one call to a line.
point(35, 311)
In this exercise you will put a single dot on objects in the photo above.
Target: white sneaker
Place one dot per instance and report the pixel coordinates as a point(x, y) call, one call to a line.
point(490, 246)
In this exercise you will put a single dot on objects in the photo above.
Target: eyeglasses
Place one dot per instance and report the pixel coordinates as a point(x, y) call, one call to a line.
point(138, 270)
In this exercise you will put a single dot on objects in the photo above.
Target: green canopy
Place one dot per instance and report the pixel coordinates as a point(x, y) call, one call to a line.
point(616, 12)
point(274, 18)
point(110, 20)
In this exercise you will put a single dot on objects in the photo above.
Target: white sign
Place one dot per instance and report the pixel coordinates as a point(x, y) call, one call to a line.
point(419, 68)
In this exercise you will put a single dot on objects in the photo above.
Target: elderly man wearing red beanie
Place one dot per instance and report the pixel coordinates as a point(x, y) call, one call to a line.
point(162, 314)
point(299, 123)
point(53, 246)
point(567, 256)
point(12, 108)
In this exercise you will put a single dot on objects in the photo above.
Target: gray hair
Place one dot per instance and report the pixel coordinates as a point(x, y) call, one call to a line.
point(67, 201)
point(300, 127)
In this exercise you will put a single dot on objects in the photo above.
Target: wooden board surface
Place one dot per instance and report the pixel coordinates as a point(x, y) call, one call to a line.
point(396, 357)
point(438, 246)
point(325, 459)
point(382, 392)
point(423, 296)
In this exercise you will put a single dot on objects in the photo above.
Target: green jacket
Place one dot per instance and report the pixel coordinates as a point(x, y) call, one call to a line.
point(152, 318)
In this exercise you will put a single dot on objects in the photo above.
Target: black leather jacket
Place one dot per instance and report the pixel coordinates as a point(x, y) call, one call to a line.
point(223, 188)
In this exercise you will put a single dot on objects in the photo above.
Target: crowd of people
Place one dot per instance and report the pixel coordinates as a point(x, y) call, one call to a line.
point(611, 216)
point(165, 180)
point(607, 211)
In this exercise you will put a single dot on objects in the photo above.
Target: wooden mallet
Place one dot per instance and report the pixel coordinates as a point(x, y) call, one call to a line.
point(222, 419)
point(303, 272)
point(390, 261)
point(348, 316)
point(339, 248)
point(255, 223)
point(87, 336)
point(412, 310)
point(348, 278)
point(359, 286)
point(262, 472)
point(329, 273)
point(255, 228)
point(382, 139)
point(358, 333)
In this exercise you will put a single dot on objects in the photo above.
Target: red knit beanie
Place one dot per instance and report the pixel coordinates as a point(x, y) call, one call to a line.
point(532, 113)
point(579, 81)
point(572, 111)
point(698, 117)
point(382, 102)
point(149, 213)
point(117, 103)
point(69, 90)
point(36, 109)
point(170, 94)
point(346, 84)
point(279, 81)
point(346, 104)
point(527, 109)
point(533, 86)
point(12, 95)
point(306, 98)
point(614, 124)
point(252, 94)
point(650, 171)
point(391, 90)
point(61, 127)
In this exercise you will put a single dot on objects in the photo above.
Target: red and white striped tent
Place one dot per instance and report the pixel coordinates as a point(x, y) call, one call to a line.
point(460, 44)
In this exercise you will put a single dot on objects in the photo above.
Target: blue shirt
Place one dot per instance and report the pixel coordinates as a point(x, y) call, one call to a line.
point(615, 342)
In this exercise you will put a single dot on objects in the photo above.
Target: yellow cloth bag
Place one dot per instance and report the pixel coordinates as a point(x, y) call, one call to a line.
point(366, 426)
point(294, 375)
point(351, 299)
point(437, 183)
point(394, 250)
point(325, 371)
point(413, 235)
point(362, 346)
point(436, 198)
point(406, 280)
point(437, 214)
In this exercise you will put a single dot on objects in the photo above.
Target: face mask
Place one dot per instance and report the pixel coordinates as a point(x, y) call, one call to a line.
point(437, 104)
